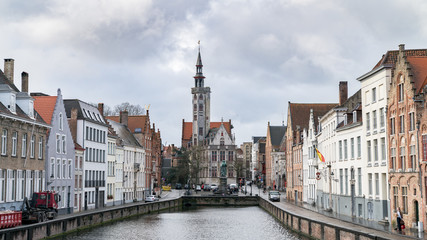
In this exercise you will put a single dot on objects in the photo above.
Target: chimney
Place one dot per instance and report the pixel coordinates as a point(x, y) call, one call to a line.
point(73, 123)
point(24, 82)
point(101, 108)
point(124, 117)
point(343, 92)
point(8, 68)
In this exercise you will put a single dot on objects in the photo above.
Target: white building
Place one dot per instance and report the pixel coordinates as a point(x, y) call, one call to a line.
point(375, 86)
point(256, 168)
point(118, 196)
point(348, 168)
point(310, 160)
point(133, 160)
point(111, 172)
point(91, 134)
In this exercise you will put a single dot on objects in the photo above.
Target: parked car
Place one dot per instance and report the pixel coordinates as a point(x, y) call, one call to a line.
point(186, 186)
point(178, 186)
point(198, 188)
point(206, 187)
point(151, 198)
point(274, 196)
point(233, 187)
point(214, 187)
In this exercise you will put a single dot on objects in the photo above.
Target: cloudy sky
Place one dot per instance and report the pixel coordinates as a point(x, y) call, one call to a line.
point(257, 55)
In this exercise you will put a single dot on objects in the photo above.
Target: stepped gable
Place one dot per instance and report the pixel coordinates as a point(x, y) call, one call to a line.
point(187, 129)
point(391, 56)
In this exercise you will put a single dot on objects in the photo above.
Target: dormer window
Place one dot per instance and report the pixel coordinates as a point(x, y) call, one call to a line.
point(354, 116)
point(12, 106)
point(31, 109)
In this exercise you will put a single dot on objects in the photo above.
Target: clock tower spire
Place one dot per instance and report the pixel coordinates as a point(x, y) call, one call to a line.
point(201, 104)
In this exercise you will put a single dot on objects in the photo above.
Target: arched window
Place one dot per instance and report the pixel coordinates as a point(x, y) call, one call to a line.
point(195, 96)
point(200, 107)
point(201, 97)
point(221, 142)
point(195, 107)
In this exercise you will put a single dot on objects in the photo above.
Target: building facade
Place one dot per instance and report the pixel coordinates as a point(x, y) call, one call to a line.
point(405, 110)
point(272, 154)
point(60, 154)
point(91, 134)
point(23, 142)
point(298, 119)
point(374, 89)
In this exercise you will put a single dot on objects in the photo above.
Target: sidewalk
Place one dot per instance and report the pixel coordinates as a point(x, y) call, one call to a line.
point(362, 225)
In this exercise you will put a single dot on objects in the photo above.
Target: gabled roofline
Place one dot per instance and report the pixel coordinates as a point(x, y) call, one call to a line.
point(374, 71)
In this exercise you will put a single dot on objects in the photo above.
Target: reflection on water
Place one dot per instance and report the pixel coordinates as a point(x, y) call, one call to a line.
point(202, 223)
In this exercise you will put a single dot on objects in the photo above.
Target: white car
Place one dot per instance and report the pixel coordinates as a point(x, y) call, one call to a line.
point(151, 198)
point(214, 187)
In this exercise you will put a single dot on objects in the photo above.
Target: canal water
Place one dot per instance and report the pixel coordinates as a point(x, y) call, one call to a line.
point(201, 223)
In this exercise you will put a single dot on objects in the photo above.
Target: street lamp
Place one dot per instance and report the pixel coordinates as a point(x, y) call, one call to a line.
point(331, 174)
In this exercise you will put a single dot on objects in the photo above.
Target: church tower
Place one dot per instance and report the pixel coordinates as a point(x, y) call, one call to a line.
point(201, 104)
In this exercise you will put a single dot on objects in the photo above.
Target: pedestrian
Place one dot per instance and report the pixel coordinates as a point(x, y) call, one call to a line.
point(399, 219)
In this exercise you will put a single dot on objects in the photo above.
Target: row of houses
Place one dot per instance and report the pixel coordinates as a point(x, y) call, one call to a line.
point(374, 146)
point(68, 146)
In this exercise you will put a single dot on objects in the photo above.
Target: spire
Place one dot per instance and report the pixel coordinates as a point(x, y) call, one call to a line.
point(199, 58)
point(198, 78)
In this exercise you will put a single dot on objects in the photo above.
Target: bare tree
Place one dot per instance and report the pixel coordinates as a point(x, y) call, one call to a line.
point(133, 110)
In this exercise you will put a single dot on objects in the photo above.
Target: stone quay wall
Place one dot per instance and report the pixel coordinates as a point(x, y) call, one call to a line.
point(232, 201)
point(304, 226)
point(311, 228)
point(83, 220)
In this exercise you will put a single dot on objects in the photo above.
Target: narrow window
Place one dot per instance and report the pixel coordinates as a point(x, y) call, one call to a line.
point(32, 146)
point(40, 155)
point(24, 145)
point(4, 142)
point(14, 143)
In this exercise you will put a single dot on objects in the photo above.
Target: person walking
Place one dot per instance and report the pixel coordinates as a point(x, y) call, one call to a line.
point(399, 219)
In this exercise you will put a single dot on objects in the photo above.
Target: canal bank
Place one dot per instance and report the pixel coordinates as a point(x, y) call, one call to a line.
point(299, 220)
point(85, 220)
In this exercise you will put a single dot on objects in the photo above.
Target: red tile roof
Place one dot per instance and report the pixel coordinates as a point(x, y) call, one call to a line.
point(300, 112)
point(391, 56)
point(187, 129)
point(419, 71)
point(133, 121)
point(45, 105)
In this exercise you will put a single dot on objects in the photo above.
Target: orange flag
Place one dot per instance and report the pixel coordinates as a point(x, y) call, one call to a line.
point(322, 159)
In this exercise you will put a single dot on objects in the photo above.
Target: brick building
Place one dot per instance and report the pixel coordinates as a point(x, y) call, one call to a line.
point(406, 130)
